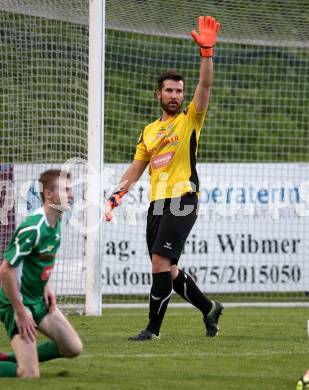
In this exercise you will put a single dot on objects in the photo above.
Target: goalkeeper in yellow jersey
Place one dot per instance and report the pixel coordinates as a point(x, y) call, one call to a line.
point(169, 146)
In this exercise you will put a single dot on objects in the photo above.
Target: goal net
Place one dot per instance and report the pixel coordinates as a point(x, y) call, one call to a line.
point(250, 238)
point(43, 118)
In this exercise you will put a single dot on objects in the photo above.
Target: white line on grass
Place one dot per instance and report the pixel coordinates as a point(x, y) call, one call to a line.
point(197, 354)
point(226, 305)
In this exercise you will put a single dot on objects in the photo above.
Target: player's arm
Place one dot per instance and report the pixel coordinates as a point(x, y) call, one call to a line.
point(206, 38)
point(25, 324)
point(128, 180)
point(132, 174)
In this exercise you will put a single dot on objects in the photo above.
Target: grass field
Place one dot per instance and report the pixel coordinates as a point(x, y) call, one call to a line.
point(257, 349)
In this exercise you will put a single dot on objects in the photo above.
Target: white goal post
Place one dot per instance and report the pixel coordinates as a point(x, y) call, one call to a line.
point(95, 156)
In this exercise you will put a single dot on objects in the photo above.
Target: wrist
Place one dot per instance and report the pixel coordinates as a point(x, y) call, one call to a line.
point(115, 199)
point(20, 309)
point(207, 52)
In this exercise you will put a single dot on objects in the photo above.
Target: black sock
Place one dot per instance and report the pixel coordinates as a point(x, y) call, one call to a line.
point(185, 286)
point(160, 294)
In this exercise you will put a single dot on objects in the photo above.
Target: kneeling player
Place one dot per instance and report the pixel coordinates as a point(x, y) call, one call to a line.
point(27, 303)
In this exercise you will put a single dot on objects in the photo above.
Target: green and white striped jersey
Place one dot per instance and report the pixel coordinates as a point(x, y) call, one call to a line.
point(33, 246)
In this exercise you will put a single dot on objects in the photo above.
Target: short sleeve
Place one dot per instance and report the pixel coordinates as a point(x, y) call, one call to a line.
point(197, 118)
point(20, 245)
point(141, 150)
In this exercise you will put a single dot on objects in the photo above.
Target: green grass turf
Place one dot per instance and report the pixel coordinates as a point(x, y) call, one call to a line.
point(257, 349)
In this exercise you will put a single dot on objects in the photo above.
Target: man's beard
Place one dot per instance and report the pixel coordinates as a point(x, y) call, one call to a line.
point(171, 109)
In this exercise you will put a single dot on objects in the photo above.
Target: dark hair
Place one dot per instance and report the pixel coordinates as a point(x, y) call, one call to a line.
point(169, 75)
point(47, 180)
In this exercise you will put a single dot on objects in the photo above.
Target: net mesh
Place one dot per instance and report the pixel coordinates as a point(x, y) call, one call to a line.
point(255, 132)
point(43, 118)
point(279, 23)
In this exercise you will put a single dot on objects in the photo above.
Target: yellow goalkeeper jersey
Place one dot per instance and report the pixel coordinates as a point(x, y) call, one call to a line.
point(170, 147)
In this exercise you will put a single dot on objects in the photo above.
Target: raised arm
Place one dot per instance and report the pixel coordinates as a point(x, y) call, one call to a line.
point(208, 30)
point(129, 178)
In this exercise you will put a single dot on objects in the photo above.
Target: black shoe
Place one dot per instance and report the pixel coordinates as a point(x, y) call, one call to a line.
point(212, 318)
point(145, 335)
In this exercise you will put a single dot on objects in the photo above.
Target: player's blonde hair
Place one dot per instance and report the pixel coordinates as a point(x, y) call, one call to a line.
point(47, 180)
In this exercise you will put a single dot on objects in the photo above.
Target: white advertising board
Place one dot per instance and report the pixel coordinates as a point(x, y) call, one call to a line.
point(250, 235)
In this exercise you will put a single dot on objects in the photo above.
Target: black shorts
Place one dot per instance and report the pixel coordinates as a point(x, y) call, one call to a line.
point(169, 222)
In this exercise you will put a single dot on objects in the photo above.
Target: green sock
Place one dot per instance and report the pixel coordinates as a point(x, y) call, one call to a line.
point(46, 351)
point(8, 369)
point(11, 357)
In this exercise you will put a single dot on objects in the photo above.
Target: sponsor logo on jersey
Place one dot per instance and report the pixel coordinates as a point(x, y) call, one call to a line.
point(162, 160)
point(163, 131)
point(161, 134)
point(47, 256)
point(166, 141)
point(45, 275)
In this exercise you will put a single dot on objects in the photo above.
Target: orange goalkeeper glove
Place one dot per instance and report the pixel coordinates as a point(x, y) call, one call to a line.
point(112, 202)
point(208, 28)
